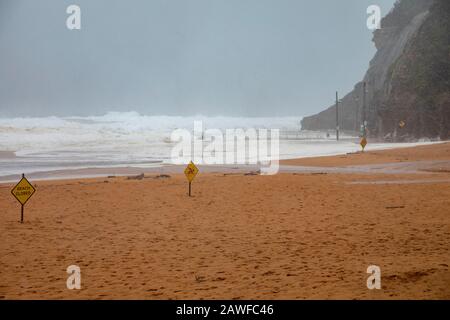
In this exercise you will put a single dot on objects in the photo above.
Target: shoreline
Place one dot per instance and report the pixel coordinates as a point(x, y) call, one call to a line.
point(383, 156)
point(432, 151)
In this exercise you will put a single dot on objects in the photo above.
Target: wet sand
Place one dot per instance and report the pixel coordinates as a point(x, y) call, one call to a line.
point(295, 235)
point(7, 155)
point(432, 152)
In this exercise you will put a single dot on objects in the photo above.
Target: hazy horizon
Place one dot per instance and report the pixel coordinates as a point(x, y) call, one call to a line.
point(201, 57)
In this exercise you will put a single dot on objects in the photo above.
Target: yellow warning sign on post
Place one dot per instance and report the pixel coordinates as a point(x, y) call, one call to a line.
point(363, 143)
point(190, 172)
point(23, 192)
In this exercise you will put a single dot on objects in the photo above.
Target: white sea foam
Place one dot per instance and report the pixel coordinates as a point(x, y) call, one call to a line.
point(114, 130)
point(128, 138)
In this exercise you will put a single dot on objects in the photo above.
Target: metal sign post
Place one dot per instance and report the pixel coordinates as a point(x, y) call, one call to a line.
point(23, 192)
point(190, 172)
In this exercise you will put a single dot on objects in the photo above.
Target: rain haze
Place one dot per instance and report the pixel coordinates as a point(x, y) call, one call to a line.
point(231, 58)
point(196, 150)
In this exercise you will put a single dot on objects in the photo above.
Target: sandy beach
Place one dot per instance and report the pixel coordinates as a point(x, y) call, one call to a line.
point(294, 235)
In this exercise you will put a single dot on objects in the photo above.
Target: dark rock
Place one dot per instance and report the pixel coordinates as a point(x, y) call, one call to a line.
point(138, 177)
point(162, 176)
point(408, 81)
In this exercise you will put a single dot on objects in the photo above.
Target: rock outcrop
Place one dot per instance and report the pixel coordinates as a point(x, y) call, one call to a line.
point(408, 88)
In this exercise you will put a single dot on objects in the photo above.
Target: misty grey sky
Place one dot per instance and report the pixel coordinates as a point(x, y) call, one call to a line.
point(180, 57)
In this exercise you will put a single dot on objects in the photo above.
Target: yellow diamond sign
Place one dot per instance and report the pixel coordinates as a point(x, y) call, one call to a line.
point(191, 171)
point(23, 191)
point(363, 143)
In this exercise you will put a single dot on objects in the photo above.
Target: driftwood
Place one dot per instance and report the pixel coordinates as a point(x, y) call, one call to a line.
point(138, 177)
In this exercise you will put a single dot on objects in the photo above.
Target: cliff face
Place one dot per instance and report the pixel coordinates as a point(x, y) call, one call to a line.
point(408, 89)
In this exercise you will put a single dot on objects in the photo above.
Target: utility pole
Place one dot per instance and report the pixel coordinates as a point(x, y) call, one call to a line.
point(356, 100)
point(364, 110)
point(337, 117)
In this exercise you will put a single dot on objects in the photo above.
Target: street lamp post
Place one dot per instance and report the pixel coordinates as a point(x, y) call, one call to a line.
point(356, 100)
point(364, 110)
point(337, 117)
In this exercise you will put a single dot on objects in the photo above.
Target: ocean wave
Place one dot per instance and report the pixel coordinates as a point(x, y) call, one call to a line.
point(114, 131)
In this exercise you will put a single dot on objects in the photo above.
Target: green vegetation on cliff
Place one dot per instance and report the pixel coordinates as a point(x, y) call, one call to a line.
point(408, 81)
point(420, 80)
